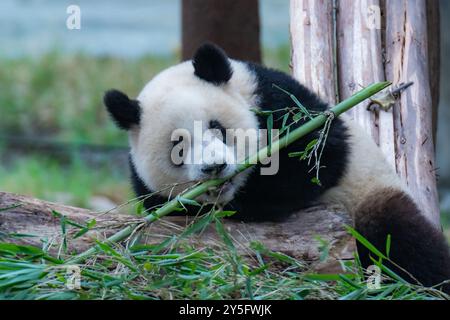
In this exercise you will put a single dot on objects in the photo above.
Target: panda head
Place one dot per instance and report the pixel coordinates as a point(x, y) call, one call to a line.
point(182, 124)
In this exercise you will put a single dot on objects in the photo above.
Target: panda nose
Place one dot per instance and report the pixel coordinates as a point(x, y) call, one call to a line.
point(214, 169)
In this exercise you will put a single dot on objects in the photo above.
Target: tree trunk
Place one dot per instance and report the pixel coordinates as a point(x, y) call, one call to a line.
point(312, 43)
point(360, 63)
point(296, 237)
point(231, 24)
point(434, 57)
point(407, 60)
point(372, 47)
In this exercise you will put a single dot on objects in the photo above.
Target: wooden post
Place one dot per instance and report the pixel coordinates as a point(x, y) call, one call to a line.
point(232, 24)
point(360, 63)
point(407, 60)
point(312, 43)
point(373, 47)
point(434, 57)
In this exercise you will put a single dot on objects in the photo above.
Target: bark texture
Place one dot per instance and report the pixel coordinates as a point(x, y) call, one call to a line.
point(377, 40)
point(312, 43)
point(407, 60)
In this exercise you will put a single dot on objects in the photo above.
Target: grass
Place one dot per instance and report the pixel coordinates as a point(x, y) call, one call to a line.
point(60, 97)
point(174, 269)
point(73, 183)
point(278, 58)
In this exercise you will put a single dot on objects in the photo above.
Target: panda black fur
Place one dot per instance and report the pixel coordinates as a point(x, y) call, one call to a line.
point(354, 172)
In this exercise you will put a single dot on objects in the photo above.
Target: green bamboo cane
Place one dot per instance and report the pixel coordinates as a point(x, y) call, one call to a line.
point(262, 154)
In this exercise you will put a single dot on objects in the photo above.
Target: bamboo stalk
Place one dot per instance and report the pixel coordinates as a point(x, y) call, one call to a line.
point(262, 154)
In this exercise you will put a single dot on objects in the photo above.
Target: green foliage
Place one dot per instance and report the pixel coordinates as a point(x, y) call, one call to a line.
point(298, 115)
point(175, 269)
point(73, 183)
point(278, 58)
point(60, 96)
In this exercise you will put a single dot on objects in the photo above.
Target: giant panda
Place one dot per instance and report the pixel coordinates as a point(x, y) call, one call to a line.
point(223, 94)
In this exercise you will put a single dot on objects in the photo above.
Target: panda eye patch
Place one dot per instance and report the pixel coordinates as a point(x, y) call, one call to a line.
point(216, 125)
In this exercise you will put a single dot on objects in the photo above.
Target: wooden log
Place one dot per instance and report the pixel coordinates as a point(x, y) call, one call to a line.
point(407, 60)
point(296, 236)
point(312, 36)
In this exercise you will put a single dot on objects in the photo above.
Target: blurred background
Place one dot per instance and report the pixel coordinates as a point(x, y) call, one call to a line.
point(56, 141)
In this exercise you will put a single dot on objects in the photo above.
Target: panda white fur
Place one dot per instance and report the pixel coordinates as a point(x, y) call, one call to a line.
point(221, 92)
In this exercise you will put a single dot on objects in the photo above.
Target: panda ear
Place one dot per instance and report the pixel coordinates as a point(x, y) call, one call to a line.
point(212, 64)
point(124, 111)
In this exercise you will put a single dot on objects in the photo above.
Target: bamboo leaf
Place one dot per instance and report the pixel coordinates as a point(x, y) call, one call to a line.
point(365, 242)
point(223, 214)
point(224, 235)
point(269, 134)
point(388, 245)
point(197, 226)
point(9, 208)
